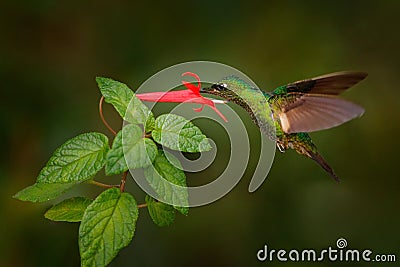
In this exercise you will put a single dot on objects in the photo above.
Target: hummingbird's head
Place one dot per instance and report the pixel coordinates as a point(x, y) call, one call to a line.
point(214, 89)
point(233, 89)
point(238, 91)
point(219, 89)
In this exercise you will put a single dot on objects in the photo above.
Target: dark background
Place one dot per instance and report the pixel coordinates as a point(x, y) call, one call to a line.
point(50, 52)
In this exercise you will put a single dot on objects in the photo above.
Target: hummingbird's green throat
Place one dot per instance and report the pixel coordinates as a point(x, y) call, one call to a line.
point(295, 109)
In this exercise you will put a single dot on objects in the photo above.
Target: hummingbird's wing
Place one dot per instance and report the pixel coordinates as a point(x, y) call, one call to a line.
point(329, 84)
point(312, 105)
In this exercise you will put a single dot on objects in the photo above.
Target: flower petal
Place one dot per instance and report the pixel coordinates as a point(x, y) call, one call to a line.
point(172, 96)
point(191, 95)
point(199, 109)
point(190, 86)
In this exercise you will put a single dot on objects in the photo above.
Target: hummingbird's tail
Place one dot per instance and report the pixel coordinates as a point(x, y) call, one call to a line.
point(302, 143)
point(322, 162)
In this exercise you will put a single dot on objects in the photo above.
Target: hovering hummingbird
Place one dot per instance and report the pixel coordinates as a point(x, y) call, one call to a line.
point(289, 112)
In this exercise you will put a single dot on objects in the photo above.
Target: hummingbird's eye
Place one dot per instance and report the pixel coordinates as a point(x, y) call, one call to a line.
point(219, 86)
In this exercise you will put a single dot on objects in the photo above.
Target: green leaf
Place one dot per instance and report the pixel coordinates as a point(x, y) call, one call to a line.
point(130, 151)
point(107, 226)
point(162, 214)
point(168, 181)
point(41, 192)
point(150, 123)
point(177, 133)
point(69, 210)
point(77, 160)
point(129, 107)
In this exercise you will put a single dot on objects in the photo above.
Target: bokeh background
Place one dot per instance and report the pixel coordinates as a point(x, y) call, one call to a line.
point(51, 51)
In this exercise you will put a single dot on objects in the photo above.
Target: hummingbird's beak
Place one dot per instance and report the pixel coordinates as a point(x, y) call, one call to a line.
point(220, 101)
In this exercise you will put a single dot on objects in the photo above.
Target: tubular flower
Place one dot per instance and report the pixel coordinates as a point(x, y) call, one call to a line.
point(190, 95)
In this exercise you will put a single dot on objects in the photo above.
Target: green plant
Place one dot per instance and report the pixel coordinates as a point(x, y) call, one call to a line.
point(107, 223)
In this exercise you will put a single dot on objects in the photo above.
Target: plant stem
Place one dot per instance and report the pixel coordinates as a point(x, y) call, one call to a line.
point(142, 205)
point(101, 184)
point(123, 182)
point(102, 117)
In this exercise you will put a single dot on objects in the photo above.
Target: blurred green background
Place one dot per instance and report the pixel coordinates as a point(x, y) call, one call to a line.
point(50, 52)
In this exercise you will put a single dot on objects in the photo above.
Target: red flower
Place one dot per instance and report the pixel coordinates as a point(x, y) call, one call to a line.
point(191, 95)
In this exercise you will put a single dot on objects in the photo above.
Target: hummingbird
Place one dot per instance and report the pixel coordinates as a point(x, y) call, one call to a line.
point(288, 113)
